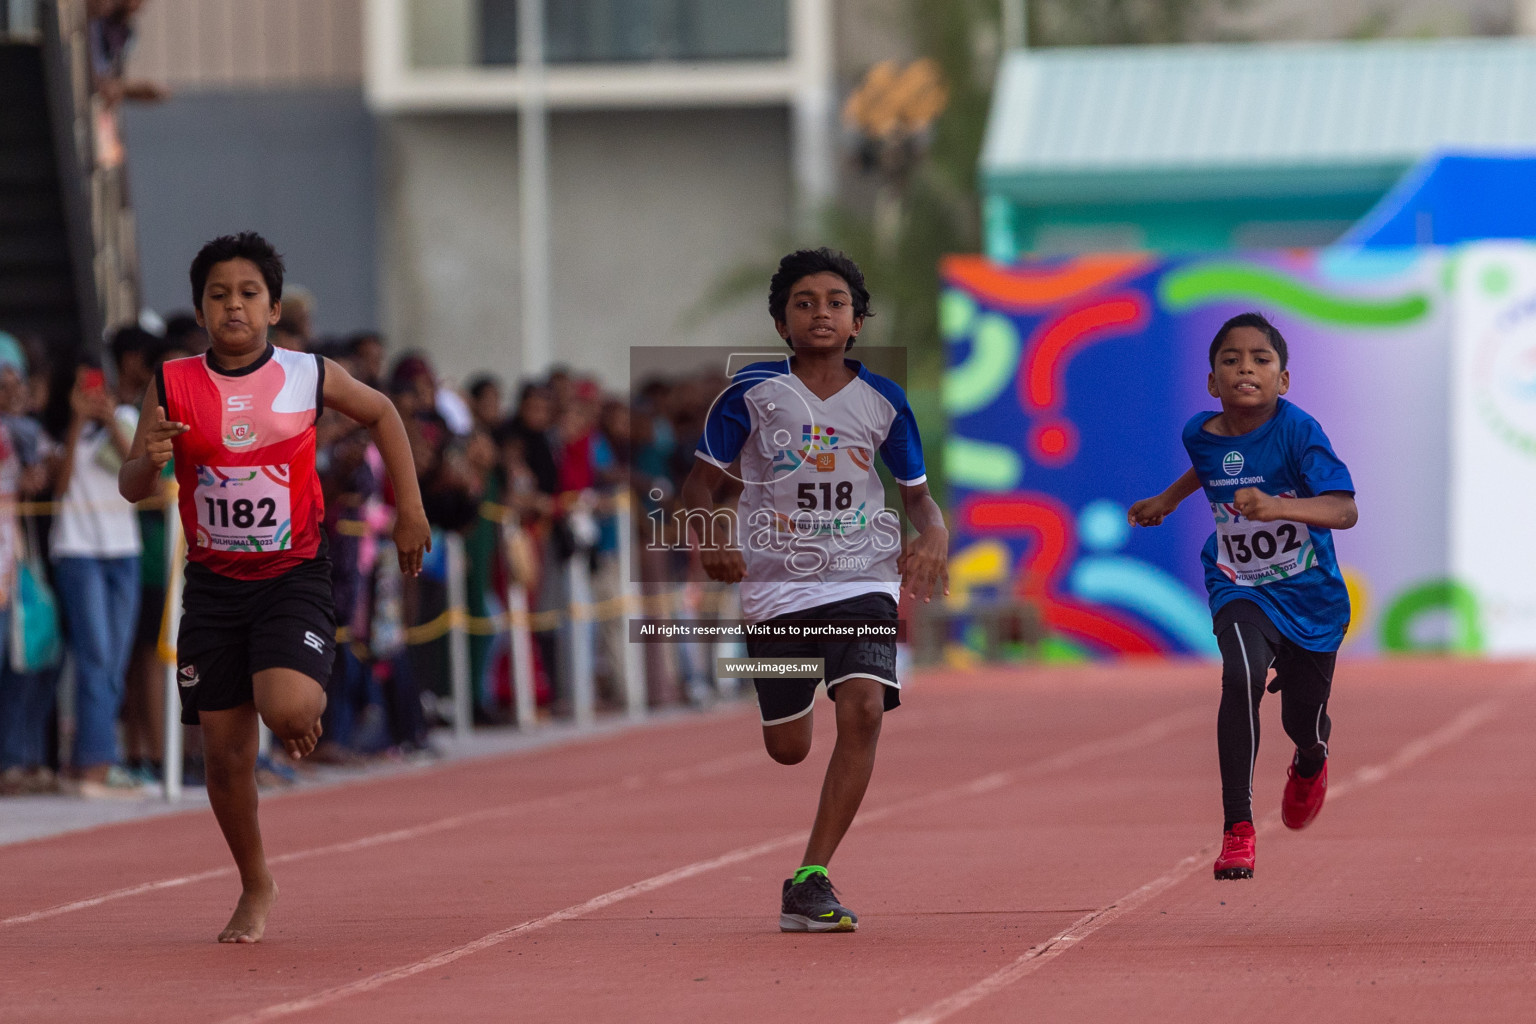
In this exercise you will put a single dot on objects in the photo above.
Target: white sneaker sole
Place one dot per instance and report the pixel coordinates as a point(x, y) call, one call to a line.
point(801, 923)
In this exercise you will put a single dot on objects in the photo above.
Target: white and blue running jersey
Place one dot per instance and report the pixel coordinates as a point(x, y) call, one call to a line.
point(812, 518)
point(1288, 569)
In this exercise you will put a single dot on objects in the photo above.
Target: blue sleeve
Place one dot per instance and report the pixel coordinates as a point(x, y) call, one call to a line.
point(602, 452)
point(1191, 431)
point(1320, 469)
point(727, 428)
point(902, 451)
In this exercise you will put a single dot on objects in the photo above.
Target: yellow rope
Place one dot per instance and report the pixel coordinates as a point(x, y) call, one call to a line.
point(607, 610)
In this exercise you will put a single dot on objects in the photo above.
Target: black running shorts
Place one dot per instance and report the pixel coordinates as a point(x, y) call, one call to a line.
point(232, 629)
point(784, 700)
point(1307, 674)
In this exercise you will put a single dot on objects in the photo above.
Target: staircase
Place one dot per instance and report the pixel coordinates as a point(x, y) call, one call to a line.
point(67, 256)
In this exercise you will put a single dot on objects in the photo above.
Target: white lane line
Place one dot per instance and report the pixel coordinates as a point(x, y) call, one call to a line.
point(705, 769)
point(1039, 956)
point(1147, 734)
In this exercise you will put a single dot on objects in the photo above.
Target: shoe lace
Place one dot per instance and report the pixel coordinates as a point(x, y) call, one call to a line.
point(821, 885)
point(1232, 843)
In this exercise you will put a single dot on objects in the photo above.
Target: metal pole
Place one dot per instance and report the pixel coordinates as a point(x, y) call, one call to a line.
point(533, 187)
point(578, 581)
point(458, 637)
point(1015, 24)
point(523, 705)
point(811, 110)
point(633, 664)
point(171, 753)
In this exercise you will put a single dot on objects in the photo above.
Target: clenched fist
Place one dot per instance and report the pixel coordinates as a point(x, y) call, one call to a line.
point(159, 437)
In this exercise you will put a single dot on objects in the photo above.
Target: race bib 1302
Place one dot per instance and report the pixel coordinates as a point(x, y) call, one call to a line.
point(1253, 554)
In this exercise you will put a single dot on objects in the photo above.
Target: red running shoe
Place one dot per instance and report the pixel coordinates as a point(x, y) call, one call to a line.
point(1237, 848)
point(1303, 798)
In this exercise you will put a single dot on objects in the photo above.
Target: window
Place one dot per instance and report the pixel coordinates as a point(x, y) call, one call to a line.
point(618, 31)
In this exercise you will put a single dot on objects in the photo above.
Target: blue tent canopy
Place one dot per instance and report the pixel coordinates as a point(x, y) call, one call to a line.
point(1452, 197)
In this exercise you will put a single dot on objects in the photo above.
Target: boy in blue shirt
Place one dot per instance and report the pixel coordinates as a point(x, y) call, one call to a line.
point(1277, 490)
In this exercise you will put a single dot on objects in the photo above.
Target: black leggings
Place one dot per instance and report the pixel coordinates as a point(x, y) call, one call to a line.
point(1249, 648)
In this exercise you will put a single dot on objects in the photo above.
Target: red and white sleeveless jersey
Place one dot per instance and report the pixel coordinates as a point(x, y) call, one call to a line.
point(250, 497)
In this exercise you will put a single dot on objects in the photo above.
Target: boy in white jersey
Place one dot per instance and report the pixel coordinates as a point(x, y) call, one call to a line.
point(819, 542)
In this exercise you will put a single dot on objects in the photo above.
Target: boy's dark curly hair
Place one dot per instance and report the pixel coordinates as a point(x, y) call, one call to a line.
point(805, 262)
point(1260, 321)
point(246, 245)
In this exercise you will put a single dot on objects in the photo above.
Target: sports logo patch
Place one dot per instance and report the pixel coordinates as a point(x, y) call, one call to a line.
point(816, 438)
point(826, 462)
point(786, 460)
point(187, 677)
point(1232, 463)
point(241, 433)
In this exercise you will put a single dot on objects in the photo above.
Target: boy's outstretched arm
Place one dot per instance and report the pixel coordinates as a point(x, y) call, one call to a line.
point(925, 560)
point(1331, 510)
point(706, 484)
point(139, 475)
point(1151, 511)
point(354, 399)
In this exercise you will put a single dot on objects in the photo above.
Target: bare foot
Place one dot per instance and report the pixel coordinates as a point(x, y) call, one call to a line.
point(298, 748)
point(249, 920)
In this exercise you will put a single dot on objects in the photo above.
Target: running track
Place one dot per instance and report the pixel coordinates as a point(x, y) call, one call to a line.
point(1035, 846)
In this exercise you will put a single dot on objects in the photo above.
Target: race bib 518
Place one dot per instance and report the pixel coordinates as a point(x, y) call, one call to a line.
point(243, 508)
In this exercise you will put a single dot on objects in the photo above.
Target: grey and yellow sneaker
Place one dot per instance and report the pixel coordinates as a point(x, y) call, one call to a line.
point(812, 906)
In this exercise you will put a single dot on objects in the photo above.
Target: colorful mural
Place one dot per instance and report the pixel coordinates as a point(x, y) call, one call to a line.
point(1069, 382)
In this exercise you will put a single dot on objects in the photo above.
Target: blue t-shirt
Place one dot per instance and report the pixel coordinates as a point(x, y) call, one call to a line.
point(1288, 569)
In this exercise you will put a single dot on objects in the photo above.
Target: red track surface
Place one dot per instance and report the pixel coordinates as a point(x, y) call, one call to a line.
point(1035, 846)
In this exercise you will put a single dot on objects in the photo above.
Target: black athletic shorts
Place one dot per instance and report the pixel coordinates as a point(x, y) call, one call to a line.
point(231, 629)
point(1309, 674)
point(784, 700)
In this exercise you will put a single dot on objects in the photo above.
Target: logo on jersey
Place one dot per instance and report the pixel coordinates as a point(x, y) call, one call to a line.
point(786, 460)
point(314, 640)
point(826, 462)
point(239, 403)
point(1232, 463)
point(240, 433)
point(815, 438)
point(186, 676)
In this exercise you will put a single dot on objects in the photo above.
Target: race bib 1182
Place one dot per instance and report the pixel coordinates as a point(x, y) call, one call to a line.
point(1253, 554)
point(243, 508)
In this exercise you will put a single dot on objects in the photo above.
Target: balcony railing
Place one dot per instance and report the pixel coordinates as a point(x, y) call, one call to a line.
point(93, 177)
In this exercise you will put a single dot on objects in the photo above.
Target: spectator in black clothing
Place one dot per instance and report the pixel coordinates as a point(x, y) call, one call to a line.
point(367, 351)
point(183, 332)
point(485, 401)
point(529, 427)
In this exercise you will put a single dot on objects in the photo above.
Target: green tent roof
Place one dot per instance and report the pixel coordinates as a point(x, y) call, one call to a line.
point(1101, 124)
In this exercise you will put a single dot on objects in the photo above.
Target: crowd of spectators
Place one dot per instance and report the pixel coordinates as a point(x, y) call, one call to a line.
point(528, 484)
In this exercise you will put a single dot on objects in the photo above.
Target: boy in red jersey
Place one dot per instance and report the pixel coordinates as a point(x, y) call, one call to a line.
point(258, 631)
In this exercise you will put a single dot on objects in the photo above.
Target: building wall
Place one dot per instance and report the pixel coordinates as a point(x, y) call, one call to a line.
point(650, 211)
point(224, 44)
point(266, 129)
point(295, 165)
